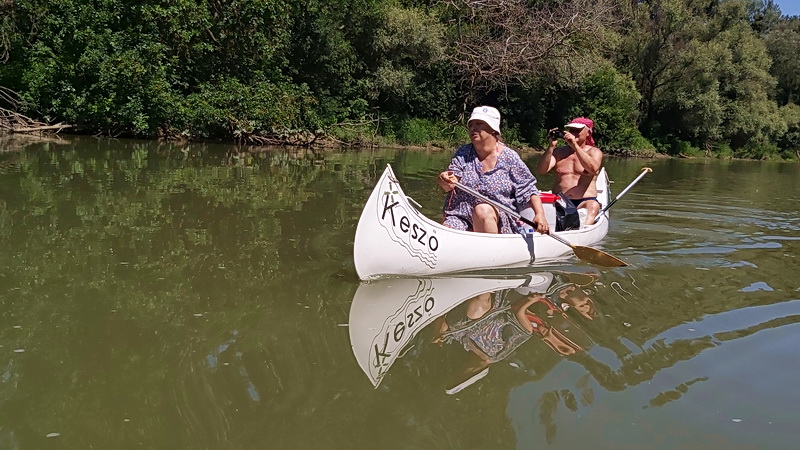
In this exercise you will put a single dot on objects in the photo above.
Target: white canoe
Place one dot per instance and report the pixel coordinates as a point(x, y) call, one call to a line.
point(385, 315)
point(393, 239)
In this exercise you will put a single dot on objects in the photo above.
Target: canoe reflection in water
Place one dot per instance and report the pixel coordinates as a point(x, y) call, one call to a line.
point(488, 317)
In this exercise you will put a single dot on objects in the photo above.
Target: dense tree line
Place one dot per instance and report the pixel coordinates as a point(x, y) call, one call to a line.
point(715, 77)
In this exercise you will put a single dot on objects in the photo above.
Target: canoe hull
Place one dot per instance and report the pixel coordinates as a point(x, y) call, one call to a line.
point(394, 239)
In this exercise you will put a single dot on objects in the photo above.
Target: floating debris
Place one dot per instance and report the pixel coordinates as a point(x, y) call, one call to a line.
point(52, 435)
point(736, 420)
point(198, 314)
point(757, 286)
point(19, 350)
point(342, 324)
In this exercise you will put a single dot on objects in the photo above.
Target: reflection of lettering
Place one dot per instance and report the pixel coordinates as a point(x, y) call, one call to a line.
point(412, 318)
point(380, 354)
point(411, 234)
point(398, 329)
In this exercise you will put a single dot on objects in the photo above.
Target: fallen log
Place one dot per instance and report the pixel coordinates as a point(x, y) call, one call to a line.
point(57, 126)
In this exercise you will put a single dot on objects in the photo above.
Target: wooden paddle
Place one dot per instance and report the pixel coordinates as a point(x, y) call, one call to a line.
point(588, 254)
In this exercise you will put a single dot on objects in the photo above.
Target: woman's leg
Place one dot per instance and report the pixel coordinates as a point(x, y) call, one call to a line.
point(485, 219)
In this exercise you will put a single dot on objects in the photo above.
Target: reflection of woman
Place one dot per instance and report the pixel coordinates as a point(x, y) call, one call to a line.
point(487, 327)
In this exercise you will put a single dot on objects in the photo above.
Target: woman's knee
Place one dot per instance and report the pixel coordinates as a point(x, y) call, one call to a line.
point(485, 211)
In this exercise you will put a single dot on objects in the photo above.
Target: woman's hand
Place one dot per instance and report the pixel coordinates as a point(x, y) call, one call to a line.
point(446, 180)
point(541, 224)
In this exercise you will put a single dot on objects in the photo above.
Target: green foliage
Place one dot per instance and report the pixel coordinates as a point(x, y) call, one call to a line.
point(711, 74)
point(766, 152)
point(231, 108)
point(641, 146)
point(723, 151)
point(789, 139)
point(415, 132)
point(425, 132)
point(611, 100)
point(674, 146)
point(783, 42)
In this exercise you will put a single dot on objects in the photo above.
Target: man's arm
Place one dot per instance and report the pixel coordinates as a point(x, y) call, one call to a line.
point(591, 159)
point(547, 161)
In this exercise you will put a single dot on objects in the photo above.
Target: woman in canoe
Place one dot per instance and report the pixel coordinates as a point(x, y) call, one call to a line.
point(496, 171)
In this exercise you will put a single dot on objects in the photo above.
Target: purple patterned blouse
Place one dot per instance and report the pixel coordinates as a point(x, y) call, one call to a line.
point(510, 183)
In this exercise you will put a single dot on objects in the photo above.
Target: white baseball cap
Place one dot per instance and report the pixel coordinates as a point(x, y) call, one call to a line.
point(487, 114)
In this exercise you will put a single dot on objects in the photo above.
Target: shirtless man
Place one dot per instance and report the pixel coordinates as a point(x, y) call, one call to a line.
point(577, 165)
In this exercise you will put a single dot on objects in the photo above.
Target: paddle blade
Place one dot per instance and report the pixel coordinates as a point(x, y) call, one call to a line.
point(597, 257)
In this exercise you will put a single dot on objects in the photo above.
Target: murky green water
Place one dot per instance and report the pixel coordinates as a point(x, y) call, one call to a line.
point(166, 296)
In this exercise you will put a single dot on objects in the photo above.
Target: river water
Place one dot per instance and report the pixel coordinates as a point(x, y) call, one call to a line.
point(200, 296)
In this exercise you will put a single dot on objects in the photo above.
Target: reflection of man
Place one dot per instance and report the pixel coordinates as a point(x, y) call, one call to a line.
point(576, 298)
point(544, 319)
point(576, 165)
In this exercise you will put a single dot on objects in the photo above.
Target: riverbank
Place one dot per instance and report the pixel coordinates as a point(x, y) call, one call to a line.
point(10, 142)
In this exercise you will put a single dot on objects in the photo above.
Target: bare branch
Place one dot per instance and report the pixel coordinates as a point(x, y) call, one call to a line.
point(506, 42)
point(13, 121)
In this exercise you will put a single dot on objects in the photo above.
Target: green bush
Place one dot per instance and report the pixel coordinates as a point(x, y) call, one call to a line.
point(767, 152)
point(723, 151)
point(611, 100)
point(424, 132)
point(671, 145)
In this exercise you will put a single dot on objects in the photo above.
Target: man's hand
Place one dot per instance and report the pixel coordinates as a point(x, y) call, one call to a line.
point(571, 140)
point(446, 180)
point(552, 135)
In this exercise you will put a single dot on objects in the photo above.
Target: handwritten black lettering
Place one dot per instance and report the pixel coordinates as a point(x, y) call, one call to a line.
point(399, 331)
point(404, 224)
point(423, 235)
point(388, 207)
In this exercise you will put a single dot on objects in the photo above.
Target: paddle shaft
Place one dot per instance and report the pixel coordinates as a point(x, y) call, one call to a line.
point(584, 253)
point(508, 210)
point(645, 171)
